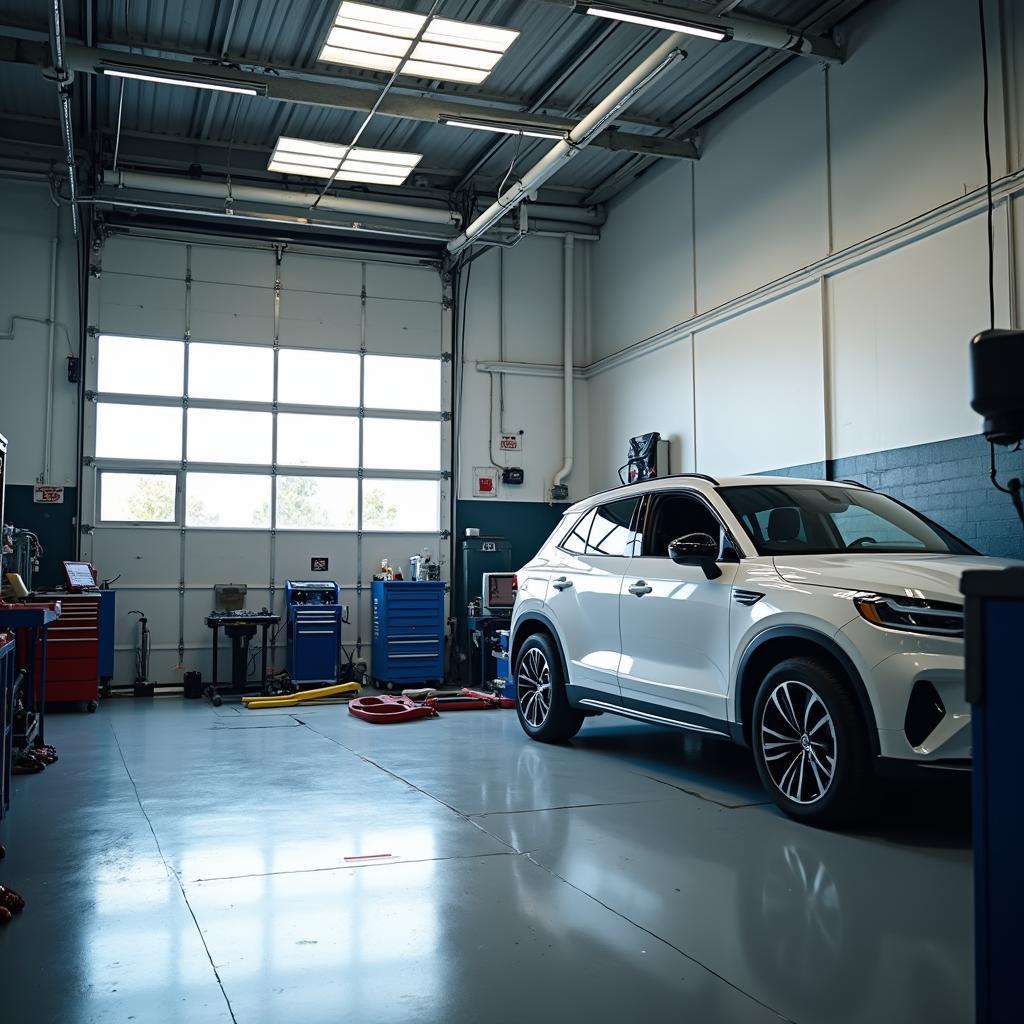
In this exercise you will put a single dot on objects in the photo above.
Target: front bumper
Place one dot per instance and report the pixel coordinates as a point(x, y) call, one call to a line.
point(910, 660)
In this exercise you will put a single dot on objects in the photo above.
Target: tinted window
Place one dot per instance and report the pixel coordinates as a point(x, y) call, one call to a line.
point(575, 541)
point(806, 519)
point(610, 530)
point(671, 516)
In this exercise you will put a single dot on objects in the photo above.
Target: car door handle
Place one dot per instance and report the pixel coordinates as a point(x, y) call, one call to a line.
point(640, 588)
point(561, 583)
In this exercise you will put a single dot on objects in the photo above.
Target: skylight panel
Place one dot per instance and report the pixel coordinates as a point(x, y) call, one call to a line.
point(321, 159)
point(378, 38)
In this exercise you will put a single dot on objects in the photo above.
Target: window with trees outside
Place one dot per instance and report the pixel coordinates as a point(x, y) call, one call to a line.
point(211, 435)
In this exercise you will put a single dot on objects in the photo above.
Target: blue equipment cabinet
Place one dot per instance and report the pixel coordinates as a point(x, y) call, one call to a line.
point(993, 623)
point(408, 632)
point(106, 656)
point(314, 616)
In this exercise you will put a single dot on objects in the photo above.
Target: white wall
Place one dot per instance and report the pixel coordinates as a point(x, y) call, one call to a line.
point(533, 310)
point(838, 281)
point(30, 222)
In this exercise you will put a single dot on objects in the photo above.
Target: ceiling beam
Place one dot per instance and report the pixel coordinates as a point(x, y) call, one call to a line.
point(738, 28)
point(284, 89)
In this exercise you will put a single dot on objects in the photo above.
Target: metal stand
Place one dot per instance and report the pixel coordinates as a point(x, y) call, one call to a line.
point(240, 631)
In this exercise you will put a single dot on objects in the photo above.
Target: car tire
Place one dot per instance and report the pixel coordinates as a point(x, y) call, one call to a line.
point(541, 701)
point(811, 745)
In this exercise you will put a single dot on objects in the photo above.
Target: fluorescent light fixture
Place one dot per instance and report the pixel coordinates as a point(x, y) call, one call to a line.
point(320, 159)
point(190, 80)
point(652, 21)
point(379, 38)
point(502, 127)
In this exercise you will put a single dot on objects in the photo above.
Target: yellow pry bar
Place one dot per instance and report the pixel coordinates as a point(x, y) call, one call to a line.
point(293, 699)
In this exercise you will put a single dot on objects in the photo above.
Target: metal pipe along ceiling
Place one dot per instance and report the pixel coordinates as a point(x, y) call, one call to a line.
point(278, 197)
point(577, 139)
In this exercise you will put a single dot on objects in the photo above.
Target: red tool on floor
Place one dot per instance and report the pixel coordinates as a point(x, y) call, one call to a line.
point(469, 700)
point(389, 709)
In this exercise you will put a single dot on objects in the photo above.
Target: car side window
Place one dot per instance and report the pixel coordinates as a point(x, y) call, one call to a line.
point(674, 515)
point(575, 541)
point(611, 531)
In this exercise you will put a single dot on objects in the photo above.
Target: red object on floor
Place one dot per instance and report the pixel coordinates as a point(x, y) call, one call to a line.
point(389, 709)
point(470, 700)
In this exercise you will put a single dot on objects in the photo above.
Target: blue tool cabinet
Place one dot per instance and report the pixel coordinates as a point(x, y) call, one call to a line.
point(408, 632)
point(993, 621)
point(314, 631)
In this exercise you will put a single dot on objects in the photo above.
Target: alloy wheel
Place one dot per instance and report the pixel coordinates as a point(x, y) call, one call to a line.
point(534, 686)
point(798, 741)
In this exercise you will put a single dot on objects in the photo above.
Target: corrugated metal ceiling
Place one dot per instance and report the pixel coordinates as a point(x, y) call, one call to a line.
point(289, 33)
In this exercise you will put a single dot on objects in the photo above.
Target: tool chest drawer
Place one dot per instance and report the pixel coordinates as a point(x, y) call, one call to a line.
point(408, 632)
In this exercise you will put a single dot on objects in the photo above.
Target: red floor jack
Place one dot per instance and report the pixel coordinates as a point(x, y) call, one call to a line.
point(406, 709)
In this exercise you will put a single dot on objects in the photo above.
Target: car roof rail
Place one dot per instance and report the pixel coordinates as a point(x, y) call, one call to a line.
point(854, 483)
point(698, 476)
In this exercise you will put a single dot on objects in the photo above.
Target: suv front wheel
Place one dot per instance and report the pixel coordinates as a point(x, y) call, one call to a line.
point(810, 743)
point(544, 709)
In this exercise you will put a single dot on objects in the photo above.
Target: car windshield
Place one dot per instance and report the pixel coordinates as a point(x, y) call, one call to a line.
point(803, 519)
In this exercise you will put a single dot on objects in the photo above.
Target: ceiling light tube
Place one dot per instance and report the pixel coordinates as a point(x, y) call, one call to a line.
point(668, 24)
point(503, 128)
point(192, 81)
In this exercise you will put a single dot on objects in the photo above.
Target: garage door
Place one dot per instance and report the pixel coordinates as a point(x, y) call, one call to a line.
point(251, 409)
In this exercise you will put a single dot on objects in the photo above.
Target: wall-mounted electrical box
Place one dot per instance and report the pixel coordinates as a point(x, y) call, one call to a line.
point(485, 482)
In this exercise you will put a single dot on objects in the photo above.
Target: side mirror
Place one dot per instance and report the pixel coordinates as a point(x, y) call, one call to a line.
point(696, 549)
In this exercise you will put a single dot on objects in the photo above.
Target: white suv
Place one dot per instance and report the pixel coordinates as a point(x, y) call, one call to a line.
point(819, 623)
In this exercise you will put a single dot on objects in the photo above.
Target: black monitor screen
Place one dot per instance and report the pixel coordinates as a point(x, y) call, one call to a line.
point(501, 590)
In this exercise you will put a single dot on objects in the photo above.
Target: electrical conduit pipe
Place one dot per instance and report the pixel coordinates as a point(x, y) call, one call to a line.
point(568, 282)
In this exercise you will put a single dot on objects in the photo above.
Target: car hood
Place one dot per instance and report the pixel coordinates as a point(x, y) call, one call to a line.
point(928, 576)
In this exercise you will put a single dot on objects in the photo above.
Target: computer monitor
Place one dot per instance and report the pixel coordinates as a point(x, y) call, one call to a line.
point(79, 576)
point(499, 592)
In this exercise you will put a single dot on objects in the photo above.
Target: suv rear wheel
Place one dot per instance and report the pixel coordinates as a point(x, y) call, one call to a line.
point(810, 743)
point(544, 709)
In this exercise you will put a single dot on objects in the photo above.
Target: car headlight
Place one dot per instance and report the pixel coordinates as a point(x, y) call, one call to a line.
point(911, 614)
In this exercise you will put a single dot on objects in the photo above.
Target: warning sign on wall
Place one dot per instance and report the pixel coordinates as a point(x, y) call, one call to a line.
point(45, 494)
point(510, 442)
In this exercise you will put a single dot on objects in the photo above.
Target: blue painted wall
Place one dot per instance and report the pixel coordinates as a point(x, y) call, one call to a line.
point(946, 480)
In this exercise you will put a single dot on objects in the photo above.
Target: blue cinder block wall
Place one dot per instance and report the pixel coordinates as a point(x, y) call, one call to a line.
point(946, 480)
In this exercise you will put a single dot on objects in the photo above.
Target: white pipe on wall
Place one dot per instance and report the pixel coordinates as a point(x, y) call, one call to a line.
point(277, 197)
point(568, 302)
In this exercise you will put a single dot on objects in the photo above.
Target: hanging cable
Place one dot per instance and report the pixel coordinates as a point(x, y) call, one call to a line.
point(988, 167)
point(1012, 487)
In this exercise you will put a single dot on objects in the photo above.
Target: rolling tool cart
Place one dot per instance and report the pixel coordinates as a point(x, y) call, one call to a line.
point(408, 633)
point(314, 617)
point(240, 627)
point(993, 622)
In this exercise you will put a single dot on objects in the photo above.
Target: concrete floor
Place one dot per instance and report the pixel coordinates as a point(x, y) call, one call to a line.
point(185, 864)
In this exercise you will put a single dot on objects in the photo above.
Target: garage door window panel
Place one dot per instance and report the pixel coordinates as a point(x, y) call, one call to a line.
point(227, 500)
point(230, 436)
point(140, 366)
point(145, 433)
point(311, 377)
point(316, 503)
point(408, 506)
point(138, 497)
point(327, 441)
point(401, 444)
point(398, 382)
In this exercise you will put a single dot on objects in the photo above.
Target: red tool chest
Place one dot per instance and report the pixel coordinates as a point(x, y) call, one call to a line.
point(73, 650)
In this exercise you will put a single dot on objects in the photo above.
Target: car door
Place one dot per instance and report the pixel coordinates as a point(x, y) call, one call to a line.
point(583, 595)
point(674, 621)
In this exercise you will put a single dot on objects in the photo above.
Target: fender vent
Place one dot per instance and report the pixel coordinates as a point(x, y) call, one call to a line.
point(746, 597)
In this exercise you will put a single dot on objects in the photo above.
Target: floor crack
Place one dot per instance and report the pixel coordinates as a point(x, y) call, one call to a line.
point(173, 874)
